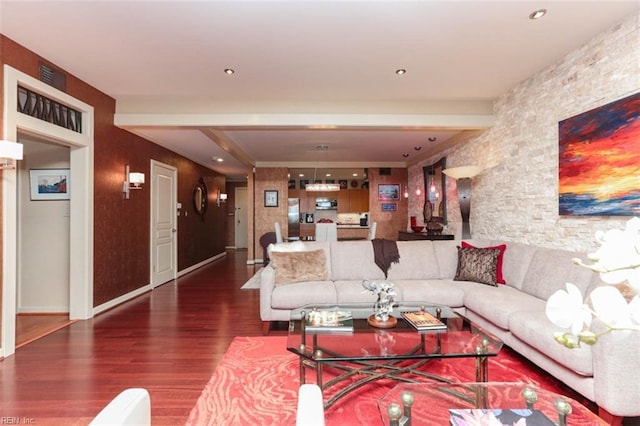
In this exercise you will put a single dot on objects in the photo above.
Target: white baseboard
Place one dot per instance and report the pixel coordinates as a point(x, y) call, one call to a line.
point(43, 310)
point(201, 264)
point(121, 299)
point(254, 261)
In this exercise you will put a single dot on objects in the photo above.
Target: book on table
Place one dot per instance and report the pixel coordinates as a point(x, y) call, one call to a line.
point(321, 320)
point(506, 417)
point(422, 320)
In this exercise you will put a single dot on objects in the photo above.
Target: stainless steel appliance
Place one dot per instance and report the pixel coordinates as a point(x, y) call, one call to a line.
point(293, 218)
point(323, 203)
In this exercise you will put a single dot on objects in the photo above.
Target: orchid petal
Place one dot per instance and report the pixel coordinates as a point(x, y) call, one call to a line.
point(610, 306)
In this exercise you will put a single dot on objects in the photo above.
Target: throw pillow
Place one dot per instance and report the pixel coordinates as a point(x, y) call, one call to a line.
point(479, 265)
point(502, 248)
point(295, 267)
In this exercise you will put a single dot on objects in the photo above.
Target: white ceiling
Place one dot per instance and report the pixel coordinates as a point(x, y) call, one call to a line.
point(308, 73)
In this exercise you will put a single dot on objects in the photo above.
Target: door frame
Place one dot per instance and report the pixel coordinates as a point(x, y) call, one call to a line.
point(80, 203)
point(174, 198)
point(235, 216)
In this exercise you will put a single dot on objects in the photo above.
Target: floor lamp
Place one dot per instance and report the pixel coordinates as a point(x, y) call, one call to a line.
point(463, 176)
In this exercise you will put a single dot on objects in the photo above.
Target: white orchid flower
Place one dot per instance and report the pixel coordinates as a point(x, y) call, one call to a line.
point(566, 309)
point(618, 258)
point(610, 307)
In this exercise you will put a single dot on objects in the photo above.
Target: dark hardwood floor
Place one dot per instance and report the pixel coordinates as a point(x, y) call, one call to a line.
point(168, 341)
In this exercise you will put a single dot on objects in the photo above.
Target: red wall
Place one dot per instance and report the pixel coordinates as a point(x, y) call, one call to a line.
point(121, 227)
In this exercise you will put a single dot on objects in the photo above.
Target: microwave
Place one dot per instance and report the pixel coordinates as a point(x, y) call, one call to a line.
point(326, 204)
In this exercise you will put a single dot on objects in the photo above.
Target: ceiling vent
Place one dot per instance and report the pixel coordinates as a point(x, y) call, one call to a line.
point(53, 77)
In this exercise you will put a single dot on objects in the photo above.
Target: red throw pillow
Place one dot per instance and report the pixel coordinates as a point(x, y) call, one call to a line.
point(502, 248)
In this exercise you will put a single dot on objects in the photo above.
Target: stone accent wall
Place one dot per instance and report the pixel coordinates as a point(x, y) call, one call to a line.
point(516, 197)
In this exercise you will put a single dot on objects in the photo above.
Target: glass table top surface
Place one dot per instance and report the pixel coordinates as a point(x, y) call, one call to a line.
point(461, 338)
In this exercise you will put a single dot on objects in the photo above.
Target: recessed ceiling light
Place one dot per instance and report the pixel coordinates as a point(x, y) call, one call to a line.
point(401, 71)
point(328, 175)
point(432, 139)
point(417, 148)
point(405, 155)
point(301, 175)
point(229, 71)
point(217, 159)
point(537, 14)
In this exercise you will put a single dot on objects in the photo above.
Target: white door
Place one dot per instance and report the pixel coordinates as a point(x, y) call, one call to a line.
point(164, 233)
point(241, 217)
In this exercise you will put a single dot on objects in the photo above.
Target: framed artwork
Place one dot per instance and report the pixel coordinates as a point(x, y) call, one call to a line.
point(389, 192)
point(342, 183)
point(303, 183)
point(599, 161)
point(389, 207)
point(271, 198)
point(49, 184)
point(292, 184)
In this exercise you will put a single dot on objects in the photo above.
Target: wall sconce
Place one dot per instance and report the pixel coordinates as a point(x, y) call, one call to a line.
point(132, 180)
point(406, 192)
point(222, 198)
point(9, 152)
point(463, 176)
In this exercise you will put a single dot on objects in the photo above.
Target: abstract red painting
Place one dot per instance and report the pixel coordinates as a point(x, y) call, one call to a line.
point(599, 161)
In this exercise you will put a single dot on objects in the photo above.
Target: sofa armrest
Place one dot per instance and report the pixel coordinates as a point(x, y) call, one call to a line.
point(267, 284)
point(615, 372)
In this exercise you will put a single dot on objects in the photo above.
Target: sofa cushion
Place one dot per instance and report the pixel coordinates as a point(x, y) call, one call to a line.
point(550, 269)
point(435, 291)
point(502, 248)
point(417, 262)
point(479, 265)
point(497, 303)
point(537, 331)
point(312, 292)
point(352, 291)
point(447, 256)
point(353, 260)
point(295, 267)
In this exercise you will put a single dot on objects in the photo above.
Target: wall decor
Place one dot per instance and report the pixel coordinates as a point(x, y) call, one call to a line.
point(271, 198)
point(599, 160)
point(389, 207)
point(200, 198)
point(388, 192)
point(303, 183)
point(49, 184)
point(292, 184)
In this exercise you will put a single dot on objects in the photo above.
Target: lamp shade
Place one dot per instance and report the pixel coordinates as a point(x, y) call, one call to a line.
point(136, 178)
point(11, 150)
point(462, 172)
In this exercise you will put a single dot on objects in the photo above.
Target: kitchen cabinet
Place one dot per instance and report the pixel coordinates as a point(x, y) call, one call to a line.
point(353, 201)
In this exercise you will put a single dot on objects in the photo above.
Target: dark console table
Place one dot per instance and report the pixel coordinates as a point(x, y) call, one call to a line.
point(411, 236)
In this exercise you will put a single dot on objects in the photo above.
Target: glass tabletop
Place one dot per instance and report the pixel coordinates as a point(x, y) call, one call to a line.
point(441, 403)
point(461, 338)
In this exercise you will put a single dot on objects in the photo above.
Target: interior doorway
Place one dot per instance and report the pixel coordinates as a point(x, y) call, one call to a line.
point(80, 146)
point(241, 217)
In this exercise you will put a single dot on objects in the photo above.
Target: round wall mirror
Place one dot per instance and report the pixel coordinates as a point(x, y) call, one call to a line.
point(200, 198)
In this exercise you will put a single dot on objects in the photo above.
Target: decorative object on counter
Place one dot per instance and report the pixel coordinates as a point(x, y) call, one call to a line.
point(463, 177)
point(383, 306)
point(616, 304)
point(417, 229)
point(436, 194)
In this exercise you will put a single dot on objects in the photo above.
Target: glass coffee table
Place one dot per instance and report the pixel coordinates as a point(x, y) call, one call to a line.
point(464, 403)
point(367, 353)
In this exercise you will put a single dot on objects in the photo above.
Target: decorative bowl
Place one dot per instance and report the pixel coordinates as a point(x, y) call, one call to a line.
point(417, 228)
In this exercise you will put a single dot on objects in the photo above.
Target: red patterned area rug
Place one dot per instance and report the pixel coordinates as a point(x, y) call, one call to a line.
point(257, 381)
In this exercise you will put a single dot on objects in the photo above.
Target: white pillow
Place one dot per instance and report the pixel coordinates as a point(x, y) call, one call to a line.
point(287, 247)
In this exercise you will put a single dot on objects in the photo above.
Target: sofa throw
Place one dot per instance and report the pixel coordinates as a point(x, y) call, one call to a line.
point(385, 252)
point(479, 265)
point(295, 267)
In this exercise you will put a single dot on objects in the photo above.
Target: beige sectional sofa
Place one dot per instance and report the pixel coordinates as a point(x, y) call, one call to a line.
point(606, 373)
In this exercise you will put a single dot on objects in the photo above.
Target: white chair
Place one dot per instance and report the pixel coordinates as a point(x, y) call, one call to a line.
point(326, 232)
point(372, 230)
point(131, 407)
point(310, 406)
point(278, 233)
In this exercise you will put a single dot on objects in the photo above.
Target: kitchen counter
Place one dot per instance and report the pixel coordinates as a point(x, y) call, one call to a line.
point(351, 226)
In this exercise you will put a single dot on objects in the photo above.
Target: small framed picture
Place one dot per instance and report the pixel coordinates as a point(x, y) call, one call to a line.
point(271, 198)
point(292, 184)
point(389, 207)
point(49, 184)
point(303, 183)
point(343, 183)
point(389, 192)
